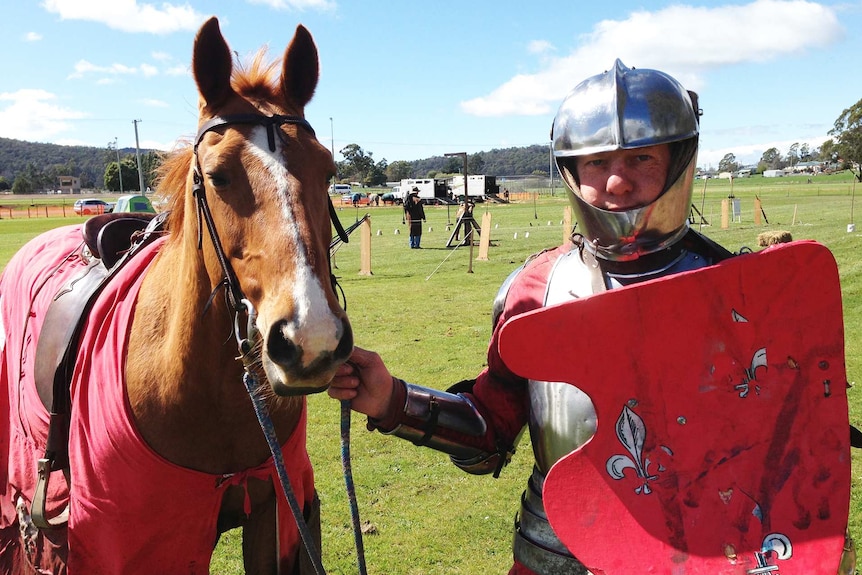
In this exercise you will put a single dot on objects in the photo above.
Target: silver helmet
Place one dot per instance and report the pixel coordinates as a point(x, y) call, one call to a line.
point(623, 109)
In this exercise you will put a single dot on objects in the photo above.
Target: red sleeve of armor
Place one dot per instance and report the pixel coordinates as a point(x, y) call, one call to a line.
point(499, 394)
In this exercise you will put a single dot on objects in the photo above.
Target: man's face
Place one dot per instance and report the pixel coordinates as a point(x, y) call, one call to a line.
point(623, 179)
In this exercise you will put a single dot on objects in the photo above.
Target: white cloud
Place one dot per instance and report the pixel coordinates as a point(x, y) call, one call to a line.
point(33, 115)
point(129, 15)
point(32, 36)
point(149, 70)
point(153, 103)
point(297, 4)
point(683, 40)
point(178, 70)
point(84, 67)
point(539, 47)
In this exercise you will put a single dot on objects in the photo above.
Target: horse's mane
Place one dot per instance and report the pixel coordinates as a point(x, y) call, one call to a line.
point(256, 80)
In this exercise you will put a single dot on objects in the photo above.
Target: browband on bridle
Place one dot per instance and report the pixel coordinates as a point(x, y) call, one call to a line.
point(203, 211)
point(268, 122)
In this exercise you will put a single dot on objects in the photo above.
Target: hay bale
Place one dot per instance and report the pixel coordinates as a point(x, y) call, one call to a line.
point(772, 238)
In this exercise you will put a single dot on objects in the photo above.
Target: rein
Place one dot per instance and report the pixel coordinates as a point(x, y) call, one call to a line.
point(247, 345)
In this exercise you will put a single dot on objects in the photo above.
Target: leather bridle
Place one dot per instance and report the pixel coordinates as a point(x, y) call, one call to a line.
point(248, 349)
point(271, 123)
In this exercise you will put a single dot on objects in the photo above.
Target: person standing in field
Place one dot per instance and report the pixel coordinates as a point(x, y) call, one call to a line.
point(414, 214)
point(625, 142)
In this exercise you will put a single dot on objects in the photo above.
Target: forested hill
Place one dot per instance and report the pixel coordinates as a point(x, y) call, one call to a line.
point(497, 162)
point(45, 162)
point(87, 163)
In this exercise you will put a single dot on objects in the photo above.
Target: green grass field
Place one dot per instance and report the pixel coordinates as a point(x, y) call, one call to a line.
point(430, 320)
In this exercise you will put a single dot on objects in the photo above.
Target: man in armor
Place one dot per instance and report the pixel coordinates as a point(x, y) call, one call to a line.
point(625, 143)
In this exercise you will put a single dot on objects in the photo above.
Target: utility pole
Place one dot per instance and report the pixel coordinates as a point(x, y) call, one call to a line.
point(119, 167)
point(138, 155)
point(332, 138)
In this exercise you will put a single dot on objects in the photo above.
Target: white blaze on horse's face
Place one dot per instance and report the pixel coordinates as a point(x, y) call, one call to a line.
point(314, 332)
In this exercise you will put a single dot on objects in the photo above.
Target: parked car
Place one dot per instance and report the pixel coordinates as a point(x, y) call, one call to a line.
point(91, 207)
point(361, 198)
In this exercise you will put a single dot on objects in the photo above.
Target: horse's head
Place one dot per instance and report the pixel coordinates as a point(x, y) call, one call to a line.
point(261, 173)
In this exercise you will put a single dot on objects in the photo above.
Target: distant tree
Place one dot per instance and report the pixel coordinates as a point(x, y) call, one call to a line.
point(399, 170)
point(770, 160)
point(4, 184)
point(150, 162)
point(476, 164)
point(847, 134)
point(376, 175)
point(30, 181)
point(793, 154)
point(827, 152)
point(454, 165)
point(728, 163)
point(357, 164)
point(23, 185)
point(111, 179)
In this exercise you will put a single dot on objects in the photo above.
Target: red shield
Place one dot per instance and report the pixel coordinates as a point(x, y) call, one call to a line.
point(723, 436)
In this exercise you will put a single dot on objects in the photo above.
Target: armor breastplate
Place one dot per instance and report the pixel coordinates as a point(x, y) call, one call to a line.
point(562, 417)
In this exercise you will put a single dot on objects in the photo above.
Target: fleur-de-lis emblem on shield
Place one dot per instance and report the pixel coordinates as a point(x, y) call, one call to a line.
point(631, 432)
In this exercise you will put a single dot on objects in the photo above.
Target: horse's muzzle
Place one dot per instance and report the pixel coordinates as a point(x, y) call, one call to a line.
point(297, 367)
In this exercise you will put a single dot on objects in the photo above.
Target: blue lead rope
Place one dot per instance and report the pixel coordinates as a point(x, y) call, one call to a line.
point(351, 489)
point(251, 385)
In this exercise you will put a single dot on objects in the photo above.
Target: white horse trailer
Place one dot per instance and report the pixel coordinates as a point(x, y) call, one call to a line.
point(477, 186)
point(428, 188)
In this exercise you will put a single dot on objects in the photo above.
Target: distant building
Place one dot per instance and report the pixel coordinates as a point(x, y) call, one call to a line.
point(70, 184)
point(808, 167)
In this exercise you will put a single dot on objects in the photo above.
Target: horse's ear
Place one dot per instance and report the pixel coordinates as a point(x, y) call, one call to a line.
point(301, 68)
point(212, 64)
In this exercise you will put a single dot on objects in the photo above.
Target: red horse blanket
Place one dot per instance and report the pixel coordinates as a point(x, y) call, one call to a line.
point(131, 511)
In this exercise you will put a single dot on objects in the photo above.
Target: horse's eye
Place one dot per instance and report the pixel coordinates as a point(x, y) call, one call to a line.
point(217, 180)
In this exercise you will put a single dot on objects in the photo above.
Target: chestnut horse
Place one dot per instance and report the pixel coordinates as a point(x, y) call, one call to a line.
point(165, 451)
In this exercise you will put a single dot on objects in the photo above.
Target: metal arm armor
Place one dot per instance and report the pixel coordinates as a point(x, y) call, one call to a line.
point(441, 420)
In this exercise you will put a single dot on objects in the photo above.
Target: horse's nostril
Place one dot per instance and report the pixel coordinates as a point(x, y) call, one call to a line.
point(280, 348)
point(345, 344)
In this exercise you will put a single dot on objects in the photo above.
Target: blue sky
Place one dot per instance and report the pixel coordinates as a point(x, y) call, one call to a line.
point(406, 79)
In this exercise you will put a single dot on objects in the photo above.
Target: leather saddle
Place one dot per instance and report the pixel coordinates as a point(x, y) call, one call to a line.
point(111, 240)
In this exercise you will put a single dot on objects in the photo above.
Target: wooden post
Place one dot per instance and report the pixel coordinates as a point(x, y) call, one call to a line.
point(758, 220)
point(567, 224)
point(793, 223)
point(365, 248)
point(725, 215)
point(485, 237)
